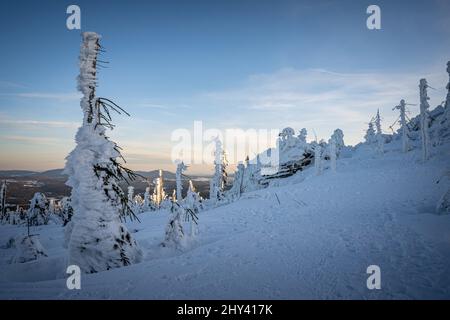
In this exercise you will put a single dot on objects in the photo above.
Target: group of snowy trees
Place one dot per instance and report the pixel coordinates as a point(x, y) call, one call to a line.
point(95, 213)
point(40, 211)
point(428, 129)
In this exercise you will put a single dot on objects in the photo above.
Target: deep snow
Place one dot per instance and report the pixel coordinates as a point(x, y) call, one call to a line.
point(306, 236)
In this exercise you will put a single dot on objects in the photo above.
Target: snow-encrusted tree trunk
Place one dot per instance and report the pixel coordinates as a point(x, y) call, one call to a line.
point(380, 138)
point(98, 239)
point(3, 201)
point(219, 179)
point(318, 159)
point(403, 125)
point(181, 167)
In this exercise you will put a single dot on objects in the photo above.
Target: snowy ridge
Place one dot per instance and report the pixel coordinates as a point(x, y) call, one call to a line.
point(311, 237)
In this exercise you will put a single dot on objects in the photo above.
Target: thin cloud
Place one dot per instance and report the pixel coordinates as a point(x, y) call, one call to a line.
point(325, 99)
point(52, 124)
point(10, 84)
point(28, 139)
point(62, 97)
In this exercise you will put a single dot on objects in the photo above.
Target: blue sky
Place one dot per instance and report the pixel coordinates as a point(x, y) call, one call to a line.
point(245, 64)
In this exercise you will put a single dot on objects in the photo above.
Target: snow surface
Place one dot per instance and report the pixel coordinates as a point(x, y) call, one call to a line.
point(306, 236)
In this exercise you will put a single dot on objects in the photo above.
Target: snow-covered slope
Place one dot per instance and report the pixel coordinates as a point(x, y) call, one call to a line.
point(306, 236)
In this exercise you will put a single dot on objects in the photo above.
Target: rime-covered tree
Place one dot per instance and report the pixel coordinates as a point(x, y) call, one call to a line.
point(424, 118)
point(238, 183)
point(38, 213)
point(403, 124)
point(219, 179)
point(181, 167)
point(147, 199)
point(302, 135)
point(338, 137)
point(3, 201)
point(443, 205)
point(98, 239)
point(159, 194)
point(318, 158)
point(447, 100)
point(175, 235)
point(193, 203)
point(130, 195)
point(370, 136)
point(66, 210)
point(333, 152)
point(379, 136)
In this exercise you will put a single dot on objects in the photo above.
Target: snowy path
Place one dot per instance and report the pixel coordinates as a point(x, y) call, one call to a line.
point(315, 243)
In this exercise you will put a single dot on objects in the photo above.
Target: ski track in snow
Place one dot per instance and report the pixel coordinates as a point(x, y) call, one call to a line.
point(315, 243)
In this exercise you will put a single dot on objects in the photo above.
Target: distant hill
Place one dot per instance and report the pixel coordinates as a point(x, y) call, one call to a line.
point(16, 173)
point(22, 184)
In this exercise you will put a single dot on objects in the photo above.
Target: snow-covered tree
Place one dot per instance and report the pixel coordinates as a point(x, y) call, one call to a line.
point(424, 118)
point(38, 213)
point(219, 179)
point(318, 158)
point(28, 248)
point(147, 199)
point(338, 138)
point(443, 205)
point(379, 136)
point(181, 167)
point(193, 203)
point(175, 236)
point(98, 239)
point(159, 194)
point(238, 183)
point(403, 124)
point(370, 136)
point(130, 195)
point(66, 210)
point(302, 135)
point(3, 201)
point(447, 100)
point(333, 153)
point(174, 195)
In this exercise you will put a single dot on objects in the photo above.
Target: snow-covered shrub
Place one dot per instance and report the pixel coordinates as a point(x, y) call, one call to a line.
point(28, 248)
point(174, 235)
point(38, 213)
point(98, 238)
